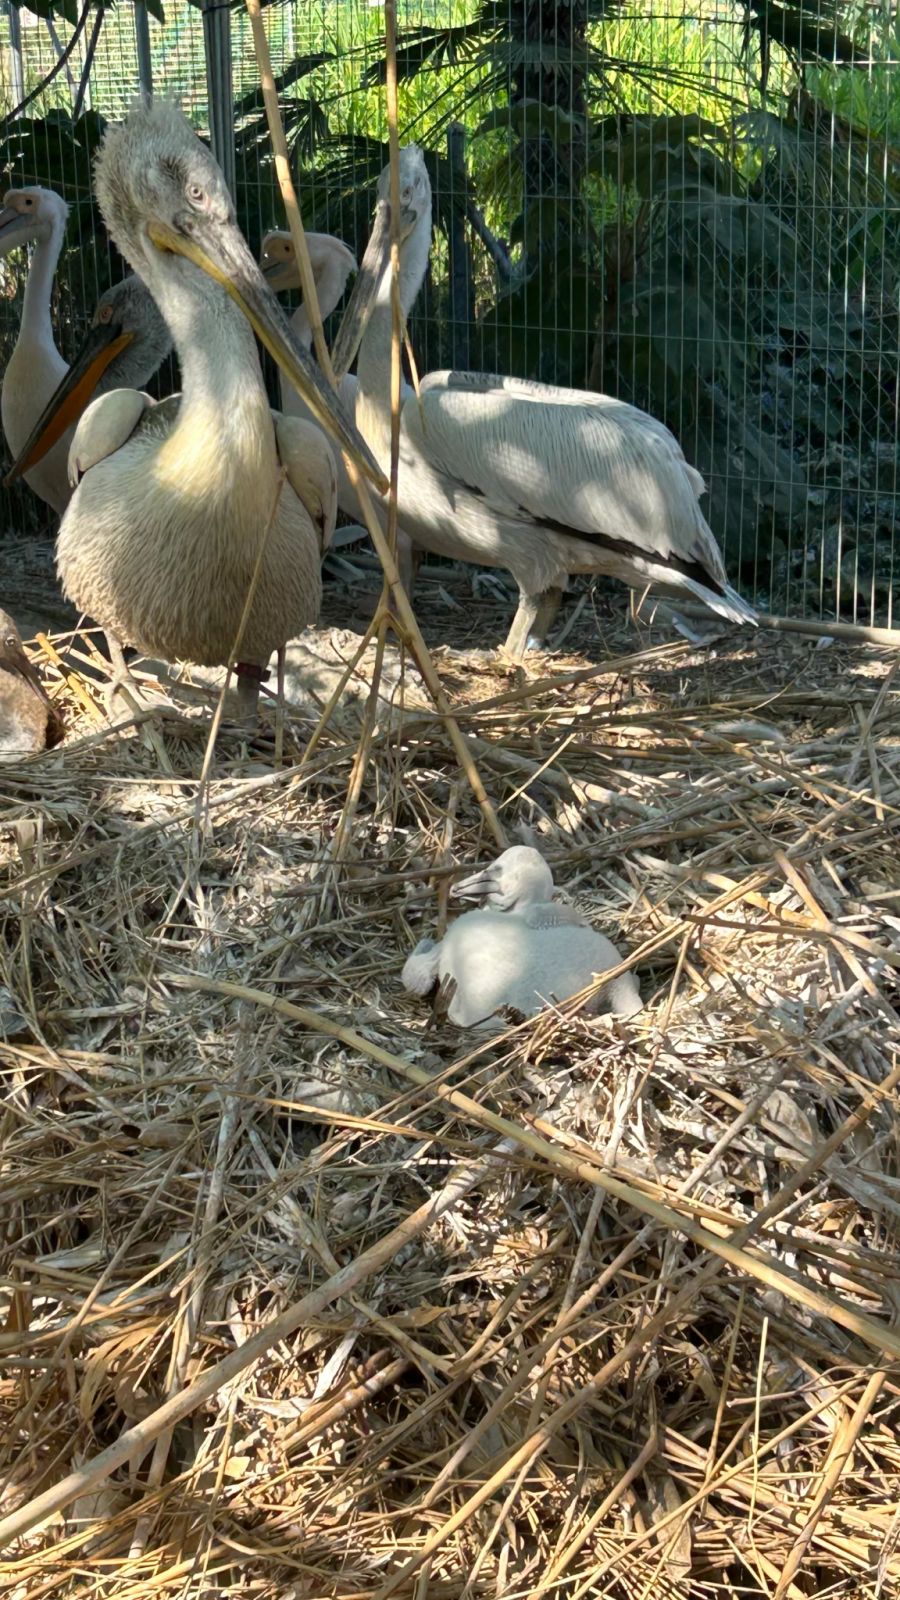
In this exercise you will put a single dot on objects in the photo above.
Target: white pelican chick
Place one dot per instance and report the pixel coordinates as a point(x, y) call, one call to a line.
point(540, 480)
point(164, 533)
point(28, 719)
point(519, 953)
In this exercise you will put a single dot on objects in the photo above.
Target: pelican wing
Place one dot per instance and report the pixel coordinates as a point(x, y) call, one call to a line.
point(105, 425)
point(306, 456)
point(582, 464)
point(553, 914)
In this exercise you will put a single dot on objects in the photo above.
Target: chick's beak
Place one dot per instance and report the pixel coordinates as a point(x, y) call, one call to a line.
point(279, 270)
point(104, 342)
point(474, 887)
point(227, 259)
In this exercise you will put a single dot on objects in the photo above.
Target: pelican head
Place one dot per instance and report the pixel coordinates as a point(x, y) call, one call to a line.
point(519, 877)
point(331, 261)
point(414, 217)
point(129, 329)
point(30, 215)
point(167, 207)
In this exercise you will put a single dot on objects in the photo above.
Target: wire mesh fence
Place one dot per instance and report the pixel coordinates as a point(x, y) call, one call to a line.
point(696, 209)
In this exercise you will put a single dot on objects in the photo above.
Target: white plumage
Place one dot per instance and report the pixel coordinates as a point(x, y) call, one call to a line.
point(332, 263)
point(540, 480)
point(521, 952)
point(126, 343)
point(161, 539)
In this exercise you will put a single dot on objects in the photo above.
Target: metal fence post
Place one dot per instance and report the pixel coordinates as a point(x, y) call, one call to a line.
point(142, 40)
point(16, 70)
point(461, 286)
point(217, 45)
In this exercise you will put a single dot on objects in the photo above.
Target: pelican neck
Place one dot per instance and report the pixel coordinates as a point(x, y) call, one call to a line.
point(221, 377)
point(373, 367)
point(39, 283)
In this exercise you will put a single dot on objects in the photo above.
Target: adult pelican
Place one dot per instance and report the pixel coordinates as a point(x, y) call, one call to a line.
point(179, 512)
point(35, 369)
point(332, 263)
point(38, 217)
point(125, 344)
point(540, 480)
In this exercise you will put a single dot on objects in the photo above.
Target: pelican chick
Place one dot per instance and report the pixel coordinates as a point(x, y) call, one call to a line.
point(28, 719)
point(180, 509)
point(522, 951)
point(543, 481)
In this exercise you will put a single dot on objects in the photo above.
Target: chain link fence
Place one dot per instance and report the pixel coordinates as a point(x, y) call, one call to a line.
point(696, 209)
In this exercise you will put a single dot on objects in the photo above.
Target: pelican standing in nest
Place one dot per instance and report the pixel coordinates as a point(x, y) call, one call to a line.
point(540, 480)
point(175, 515)
point(137, 342)
point(521, 951)
point(28, 719)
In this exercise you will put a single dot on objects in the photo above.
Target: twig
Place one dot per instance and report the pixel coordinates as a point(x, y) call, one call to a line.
point(135, 1441)
point(878, 1335)
point(405, 614)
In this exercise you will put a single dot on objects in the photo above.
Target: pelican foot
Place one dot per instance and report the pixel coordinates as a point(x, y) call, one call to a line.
point(122, 696)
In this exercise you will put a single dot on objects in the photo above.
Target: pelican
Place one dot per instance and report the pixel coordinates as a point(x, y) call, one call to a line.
point(522, 949)
point(38, 217)
point(36, 368)
point(164, 533)
point(332, 264)
point(28, 719)
point(540, 480)
point(125, 344)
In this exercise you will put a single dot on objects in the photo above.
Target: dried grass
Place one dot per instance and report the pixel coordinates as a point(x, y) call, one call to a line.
point(313, 1298)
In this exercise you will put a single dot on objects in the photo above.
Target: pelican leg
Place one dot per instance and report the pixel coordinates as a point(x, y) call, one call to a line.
point(532, 621)
point(122, 690)
point(247, 696)
point(547, 611)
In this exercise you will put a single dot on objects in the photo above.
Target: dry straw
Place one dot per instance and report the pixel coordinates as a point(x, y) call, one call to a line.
point(304, 1294)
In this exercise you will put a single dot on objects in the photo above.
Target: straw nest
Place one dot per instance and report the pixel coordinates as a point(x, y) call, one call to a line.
point(602, 1308)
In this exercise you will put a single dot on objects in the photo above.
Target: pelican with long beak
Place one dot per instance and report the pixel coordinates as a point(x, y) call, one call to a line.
point(176, 518)
point(37, 217)
point(130, 336)
point(125, 344)
point(332, 264)
point(540, 480)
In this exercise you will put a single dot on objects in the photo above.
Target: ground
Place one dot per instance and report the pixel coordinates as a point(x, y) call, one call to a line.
point(604, 1308)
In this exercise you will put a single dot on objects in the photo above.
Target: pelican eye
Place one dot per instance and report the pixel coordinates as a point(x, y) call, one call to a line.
point(196, 194)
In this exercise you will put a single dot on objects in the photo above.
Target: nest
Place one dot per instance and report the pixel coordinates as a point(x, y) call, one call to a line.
point(318, 1297)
